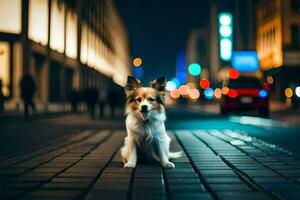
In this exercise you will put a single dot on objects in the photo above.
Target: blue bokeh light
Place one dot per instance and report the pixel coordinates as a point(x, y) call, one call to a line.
point(138, 72)
point(263, 93)
point(209, 93)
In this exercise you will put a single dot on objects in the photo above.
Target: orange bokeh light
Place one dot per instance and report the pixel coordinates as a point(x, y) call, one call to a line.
point(194, 94)
point(225, 90)
point(137, 62)
point(175, 94)
point(218, 93)
point(204, 83)
point(184, 90)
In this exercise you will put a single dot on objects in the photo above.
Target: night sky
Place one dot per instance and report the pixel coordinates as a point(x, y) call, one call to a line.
point(158, 30)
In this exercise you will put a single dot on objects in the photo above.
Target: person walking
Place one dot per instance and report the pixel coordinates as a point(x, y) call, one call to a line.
point(28, 89)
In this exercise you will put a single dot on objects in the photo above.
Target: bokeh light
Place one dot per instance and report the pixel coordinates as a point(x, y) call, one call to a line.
point(204, 83)
point(176, 81)
point(218, 93)
point(209, 93)
point(263, 93)
point(288, 92)
point(233, 73)
point(171, 86)
point(191, 85)
point(137, 62)
point(232, 93)
point(270, 80)
point(194, 69)
point(297, 91)
point(225, 20)
point(175, 94)
point(184, 90)
point(137, 72)
point(225, 90)
point(194, 94)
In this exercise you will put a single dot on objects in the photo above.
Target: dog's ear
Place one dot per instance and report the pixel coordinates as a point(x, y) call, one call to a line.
point(131, 85)
point(159, 84)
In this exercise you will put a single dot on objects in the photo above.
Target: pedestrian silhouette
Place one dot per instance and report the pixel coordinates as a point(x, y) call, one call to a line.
point(113, 98)
point(2, 98)
point(28, 88)
point(91, 98)
point(102, 101)
point(74, 99)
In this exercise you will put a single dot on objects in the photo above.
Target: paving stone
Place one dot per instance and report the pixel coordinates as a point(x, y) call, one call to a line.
point(229, 187)
point(243, 195)
point(191, 195)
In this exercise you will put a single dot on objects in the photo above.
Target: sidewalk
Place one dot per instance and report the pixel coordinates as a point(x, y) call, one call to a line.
point(216, 165)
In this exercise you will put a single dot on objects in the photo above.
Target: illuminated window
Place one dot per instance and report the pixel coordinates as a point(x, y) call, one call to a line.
point(38, 21)
point(83, 50)
point(57, 26)
point(4, 67)
point(10, 16)
point(71, 35)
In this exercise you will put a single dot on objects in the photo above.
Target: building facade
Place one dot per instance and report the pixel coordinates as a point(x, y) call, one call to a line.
point(278, 42)
point(64, 45)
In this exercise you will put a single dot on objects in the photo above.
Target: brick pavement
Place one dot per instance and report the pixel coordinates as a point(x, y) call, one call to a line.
point(225, 164)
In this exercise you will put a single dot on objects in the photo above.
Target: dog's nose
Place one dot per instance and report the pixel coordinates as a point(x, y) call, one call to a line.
point(144, 108)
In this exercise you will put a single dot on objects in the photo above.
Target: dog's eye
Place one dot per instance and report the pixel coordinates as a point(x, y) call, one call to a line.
point(139, 99)
point(151, 99)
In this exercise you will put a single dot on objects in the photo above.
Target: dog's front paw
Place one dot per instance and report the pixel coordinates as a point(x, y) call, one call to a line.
point(169, 165)
point(129, 165)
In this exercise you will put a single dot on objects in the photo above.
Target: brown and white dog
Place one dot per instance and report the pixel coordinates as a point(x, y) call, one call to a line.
point(145, 122)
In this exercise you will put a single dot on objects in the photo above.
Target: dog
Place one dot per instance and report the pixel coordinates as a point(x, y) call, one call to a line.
point(145, 123)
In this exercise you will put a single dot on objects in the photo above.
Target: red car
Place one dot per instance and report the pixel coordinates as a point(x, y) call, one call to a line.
point(245, 94)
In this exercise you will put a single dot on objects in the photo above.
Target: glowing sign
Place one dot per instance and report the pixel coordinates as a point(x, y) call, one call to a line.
point(245, 61)
point(225, 35)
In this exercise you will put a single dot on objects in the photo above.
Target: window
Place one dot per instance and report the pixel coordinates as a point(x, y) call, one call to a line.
point(57, 26)
point(295, 4)
point(295, 36)
point(5, 67)
point(71, 35)
point(10, 16)
point(38, 21)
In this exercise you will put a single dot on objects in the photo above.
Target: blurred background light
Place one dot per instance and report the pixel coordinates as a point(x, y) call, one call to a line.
point(175, 94)
point(137, 72)
point(233, 73)
point(232, 93)
point(204, 83)
point(297, 91)
point(194, 94)
point(225, 90)
point(209, 93)
point(184, 90)
point(137, 62)
point(288, 92)
point(171, 86)
point(263, 93)
point(245, 61)
point(226, 49)
point(225, 20)
point(225, 31)
point(270, 79)
point(218, 93)
point(194, 69)
point(176, 81)
point(191, 85)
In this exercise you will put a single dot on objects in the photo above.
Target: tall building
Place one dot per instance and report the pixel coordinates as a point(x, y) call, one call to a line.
point(278, 41)
point(63, 44)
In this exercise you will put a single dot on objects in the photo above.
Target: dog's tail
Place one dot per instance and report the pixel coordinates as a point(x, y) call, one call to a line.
point(175, 154)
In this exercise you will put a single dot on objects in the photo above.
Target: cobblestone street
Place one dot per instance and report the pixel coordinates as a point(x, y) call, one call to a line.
point(216, 165)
